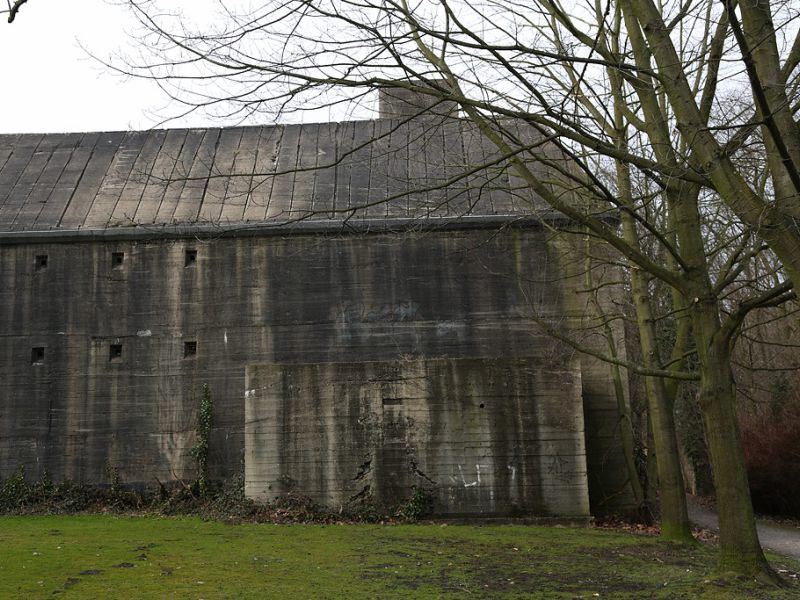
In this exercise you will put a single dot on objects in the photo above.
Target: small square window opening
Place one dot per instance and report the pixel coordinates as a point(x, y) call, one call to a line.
point(37, 355)
point(115, 353)
point(189, 349)
point(117, 260)
point(41, 262)
point(191, 258)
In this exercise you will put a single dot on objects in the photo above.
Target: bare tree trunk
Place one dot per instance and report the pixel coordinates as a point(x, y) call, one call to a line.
point(756, 38)
point(740, 550)
point(675, 523)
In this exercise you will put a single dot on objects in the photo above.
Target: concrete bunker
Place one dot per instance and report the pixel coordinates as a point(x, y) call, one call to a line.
point(177, 258)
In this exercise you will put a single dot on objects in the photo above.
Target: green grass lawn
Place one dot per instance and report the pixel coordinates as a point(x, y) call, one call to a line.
point(150, 557)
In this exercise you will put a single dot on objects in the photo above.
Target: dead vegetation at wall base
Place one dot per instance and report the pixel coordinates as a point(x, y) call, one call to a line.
point(223, 501)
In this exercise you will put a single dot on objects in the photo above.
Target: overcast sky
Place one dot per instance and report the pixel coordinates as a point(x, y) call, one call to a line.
point(51, 85)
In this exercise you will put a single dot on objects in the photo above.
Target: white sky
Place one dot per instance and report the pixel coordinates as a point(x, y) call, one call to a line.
point(51, 85)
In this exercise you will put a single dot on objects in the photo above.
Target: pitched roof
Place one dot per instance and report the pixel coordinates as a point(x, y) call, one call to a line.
point(329, 172)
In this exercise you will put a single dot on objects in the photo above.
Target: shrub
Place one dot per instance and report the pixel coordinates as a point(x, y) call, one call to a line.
point(200, 451)
point(772, 455)
point(417, 506)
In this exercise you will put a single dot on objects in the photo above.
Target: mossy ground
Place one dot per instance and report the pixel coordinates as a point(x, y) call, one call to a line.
point(98, 556)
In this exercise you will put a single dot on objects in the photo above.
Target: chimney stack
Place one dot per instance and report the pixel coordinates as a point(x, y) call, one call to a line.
point(399, 102)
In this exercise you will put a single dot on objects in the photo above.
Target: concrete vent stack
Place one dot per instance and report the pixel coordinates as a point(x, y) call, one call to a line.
point(401, 102)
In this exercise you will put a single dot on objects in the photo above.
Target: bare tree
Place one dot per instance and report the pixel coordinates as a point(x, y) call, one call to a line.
point(13, 9)
point(626, 93)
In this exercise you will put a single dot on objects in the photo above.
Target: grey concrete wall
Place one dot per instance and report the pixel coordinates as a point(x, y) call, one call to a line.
point(242, 301)
point(593, 291)
point(487, 437)
point(301, 299)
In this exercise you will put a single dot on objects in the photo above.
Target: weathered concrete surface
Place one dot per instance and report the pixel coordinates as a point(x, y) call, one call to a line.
point(488, 437)
point(243, 301)
point(592, 290)
point(292, 300)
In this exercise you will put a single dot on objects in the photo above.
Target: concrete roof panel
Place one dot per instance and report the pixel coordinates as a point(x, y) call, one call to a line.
point(381, 169)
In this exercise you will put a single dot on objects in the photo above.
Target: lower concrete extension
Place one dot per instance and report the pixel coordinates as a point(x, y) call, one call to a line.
point(485, 437)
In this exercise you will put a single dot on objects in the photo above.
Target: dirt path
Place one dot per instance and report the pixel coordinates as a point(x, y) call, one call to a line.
point(783, 539)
